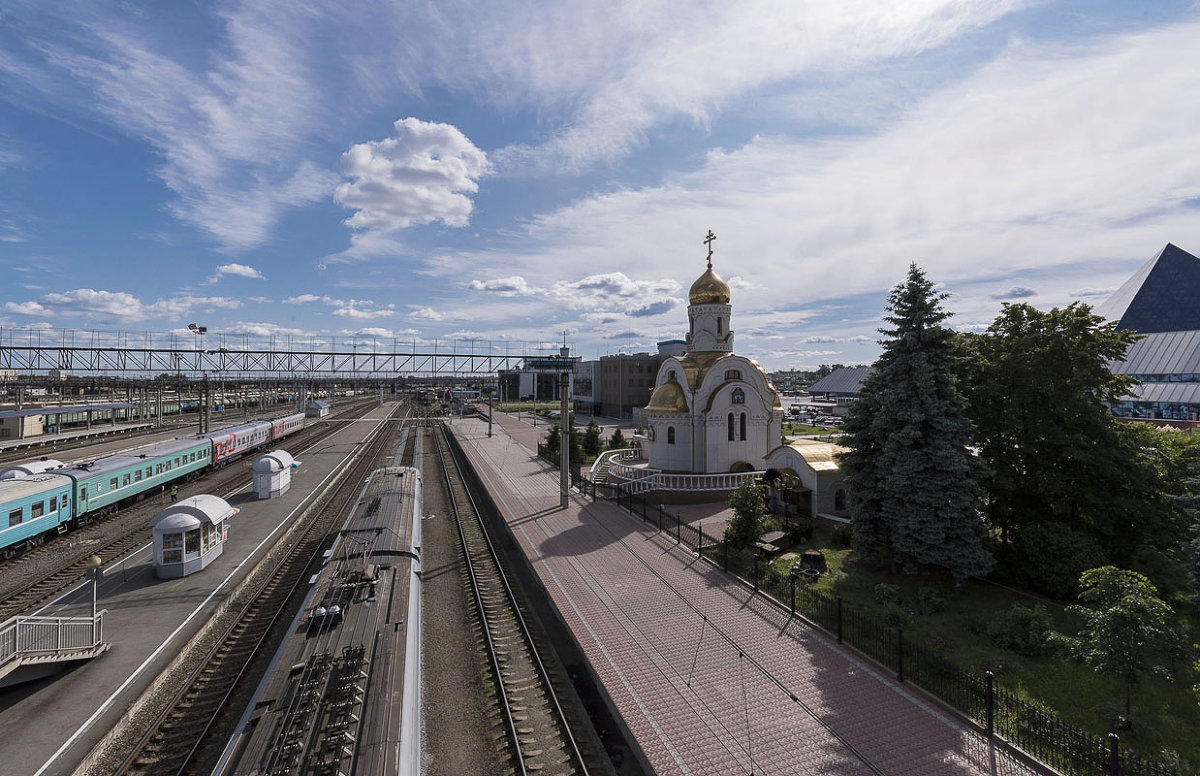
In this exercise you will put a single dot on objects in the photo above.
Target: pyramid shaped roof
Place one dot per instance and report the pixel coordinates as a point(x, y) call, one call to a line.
point(1163, 295)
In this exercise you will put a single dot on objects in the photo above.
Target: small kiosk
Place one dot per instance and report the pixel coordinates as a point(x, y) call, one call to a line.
point(273, 474)
point(190, 534)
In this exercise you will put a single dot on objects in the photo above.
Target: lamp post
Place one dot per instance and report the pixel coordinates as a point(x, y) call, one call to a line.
point(94, 564)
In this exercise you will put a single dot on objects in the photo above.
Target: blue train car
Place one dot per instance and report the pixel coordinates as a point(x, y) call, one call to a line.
point(103, 483)
point(30, 506)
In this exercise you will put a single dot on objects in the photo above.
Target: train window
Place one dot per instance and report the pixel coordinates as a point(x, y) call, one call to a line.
point(53, 503)
point(176, 461)
point(112, 484)
point(193, 459)
point(14, 517)
point(124, 480)
point(137, 476)
point(149, 471)
point(158, 469)
point(169, 467)
point(37, 509)
point(83, 492)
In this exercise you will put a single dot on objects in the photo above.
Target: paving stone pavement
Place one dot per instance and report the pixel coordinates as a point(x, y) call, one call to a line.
point(710, 678)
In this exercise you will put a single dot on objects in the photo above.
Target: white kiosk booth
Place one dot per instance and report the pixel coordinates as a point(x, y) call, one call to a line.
point(190, 534)
point(273, 473)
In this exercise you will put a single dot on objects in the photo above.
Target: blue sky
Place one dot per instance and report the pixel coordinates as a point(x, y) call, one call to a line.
point(511, 171)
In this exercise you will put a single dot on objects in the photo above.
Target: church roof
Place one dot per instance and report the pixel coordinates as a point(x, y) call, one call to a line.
point(709, 289)
point(1163, 295)
point(668, 398)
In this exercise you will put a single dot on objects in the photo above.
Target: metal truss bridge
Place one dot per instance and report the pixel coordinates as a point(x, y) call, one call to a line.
point(126, 355)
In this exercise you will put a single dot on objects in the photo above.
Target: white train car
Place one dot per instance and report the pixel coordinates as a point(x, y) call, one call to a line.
point(229, 443)
point(289, 424)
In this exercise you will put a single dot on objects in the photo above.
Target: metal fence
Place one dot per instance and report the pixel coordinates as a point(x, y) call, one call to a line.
point(999, 712)
point(48, 635)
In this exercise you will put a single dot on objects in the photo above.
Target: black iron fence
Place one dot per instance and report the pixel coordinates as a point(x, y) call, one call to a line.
point(999, 712)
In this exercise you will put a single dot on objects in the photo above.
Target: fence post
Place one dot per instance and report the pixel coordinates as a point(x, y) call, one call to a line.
point(839, 619)
point(991, 706)
point(678, 529)
point(900, 654)
point(792, 578)
point(1114, 754)
point(660, 514)
point(699, 539)
point(725, 556)
point(756, 572)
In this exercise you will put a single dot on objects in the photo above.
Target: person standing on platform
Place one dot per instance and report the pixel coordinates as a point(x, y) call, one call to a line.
point(174, 493)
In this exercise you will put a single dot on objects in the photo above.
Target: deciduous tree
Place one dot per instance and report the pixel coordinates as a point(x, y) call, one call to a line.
point(749, 505)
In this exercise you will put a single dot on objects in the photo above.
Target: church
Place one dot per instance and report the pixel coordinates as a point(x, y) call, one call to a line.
point(715, 412)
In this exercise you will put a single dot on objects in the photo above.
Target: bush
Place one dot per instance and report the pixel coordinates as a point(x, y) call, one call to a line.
point(840, 537)
point(928, 601)
point(1022, 629)
point(800, 532)
point(887, 595)
point(895, 615)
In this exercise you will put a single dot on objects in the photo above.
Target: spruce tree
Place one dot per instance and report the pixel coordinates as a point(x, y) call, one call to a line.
point(913, 482)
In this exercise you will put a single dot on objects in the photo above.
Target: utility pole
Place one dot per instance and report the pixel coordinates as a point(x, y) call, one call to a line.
point(564, 447)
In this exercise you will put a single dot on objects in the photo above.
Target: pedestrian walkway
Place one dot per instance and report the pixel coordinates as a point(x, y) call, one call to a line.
point(710, 678)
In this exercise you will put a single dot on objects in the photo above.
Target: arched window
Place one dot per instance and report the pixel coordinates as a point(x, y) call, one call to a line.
point(738, 396)
point(671, 375)
point(670, 435)
point(743, 427)
point(839, 500)
point(730, 427)
point(733, 374)
point(719, 324)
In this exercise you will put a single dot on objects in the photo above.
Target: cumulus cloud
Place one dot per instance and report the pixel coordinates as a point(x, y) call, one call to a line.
point(116, 305)
point(305, 299)
point(426, 314)
point(240, 270)
point(1016, 292)
point(422, 175)
point(264, 330)
point(359, 309)
point(511, 286)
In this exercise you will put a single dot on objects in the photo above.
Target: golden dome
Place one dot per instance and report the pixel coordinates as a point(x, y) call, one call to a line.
point(709, 289)
point(668, 397)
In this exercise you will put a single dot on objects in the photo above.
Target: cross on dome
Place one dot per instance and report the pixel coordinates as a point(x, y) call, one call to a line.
point(708, 240)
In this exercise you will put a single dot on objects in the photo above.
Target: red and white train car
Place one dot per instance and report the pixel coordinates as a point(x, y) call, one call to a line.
point(234, 441)
point(281, 427)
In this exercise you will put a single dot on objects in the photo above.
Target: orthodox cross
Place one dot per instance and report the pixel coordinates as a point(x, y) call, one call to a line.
point(708, 240)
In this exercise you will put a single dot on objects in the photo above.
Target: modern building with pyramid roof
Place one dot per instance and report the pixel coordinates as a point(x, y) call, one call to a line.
point(1162, 302)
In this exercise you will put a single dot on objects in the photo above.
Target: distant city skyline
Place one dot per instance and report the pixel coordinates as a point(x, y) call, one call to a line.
point(514, 171)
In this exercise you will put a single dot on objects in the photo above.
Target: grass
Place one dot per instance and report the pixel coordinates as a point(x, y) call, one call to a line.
point(1165, 723)
point(800, 429)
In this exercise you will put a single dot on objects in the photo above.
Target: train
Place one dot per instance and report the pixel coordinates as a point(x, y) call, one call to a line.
point(38, 501)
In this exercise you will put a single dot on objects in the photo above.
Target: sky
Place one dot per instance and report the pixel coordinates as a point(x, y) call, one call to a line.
point(520, 172)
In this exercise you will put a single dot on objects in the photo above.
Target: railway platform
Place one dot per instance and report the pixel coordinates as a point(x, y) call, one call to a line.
point(709, 677)
point(49, 726)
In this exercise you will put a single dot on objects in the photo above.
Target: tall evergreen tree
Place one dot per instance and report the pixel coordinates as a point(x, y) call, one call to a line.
point(912, 480)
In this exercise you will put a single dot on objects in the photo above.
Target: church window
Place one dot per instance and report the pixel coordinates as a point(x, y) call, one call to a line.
point(733, 374)
point(738, 397)
point(719, 324)
point(730, 424)
point(743, 427)
point(671, 375)
point(839, 500)
point(670, 435)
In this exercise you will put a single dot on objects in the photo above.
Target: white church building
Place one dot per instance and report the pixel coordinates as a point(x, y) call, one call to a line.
point(714, 418)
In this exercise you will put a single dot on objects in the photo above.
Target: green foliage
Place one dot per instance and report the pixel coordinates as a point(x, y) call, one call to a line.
point(553, 440)
point(1065, 476)
point(912, 479)
point(749, 505)
point(887, 594)
point(928, 601)
point(591, 443)
point(1022, 629)
point(1190, 504)
point(1125, 624)
point(841, 536)
point(617, 440)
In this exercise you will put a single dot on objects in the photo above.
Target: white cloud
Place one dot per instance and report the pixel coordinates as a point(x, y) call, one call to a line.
point(240, 270)
point(305, 298)
point(264, 330)
point(511, 286)
point(109, 306)
point(361, 309)
point(426, 314)
point(421, 175)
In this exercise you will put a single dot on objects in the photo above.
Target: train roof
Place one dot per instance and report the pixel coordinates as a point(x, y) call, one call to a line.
point(371, 579)
point(241, 427)
point(131, 457)
point(11, 490)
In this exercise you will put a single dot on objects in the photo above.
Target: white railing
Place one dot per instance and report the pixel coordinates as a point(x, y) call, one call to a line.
point(609, 457)
point(22, 636)
point(638, 479)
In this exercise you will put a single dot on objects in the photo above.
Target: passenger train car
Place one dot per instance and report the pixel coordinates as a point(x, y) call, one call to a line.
point(35, 503)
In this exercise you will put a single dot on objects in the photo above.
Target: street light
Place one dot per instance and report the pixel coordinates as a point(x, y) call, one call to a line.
point(94, 564)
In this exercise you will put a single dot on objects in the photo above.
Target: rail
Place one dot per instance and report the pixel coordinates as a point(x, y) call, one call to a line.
point(638, 479)
point(38, 636)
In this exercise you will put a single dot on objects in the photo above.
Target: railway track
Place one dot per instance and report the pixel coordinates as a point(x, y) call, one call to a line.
point(529, 698)
point(37, 575)
point(191, 717)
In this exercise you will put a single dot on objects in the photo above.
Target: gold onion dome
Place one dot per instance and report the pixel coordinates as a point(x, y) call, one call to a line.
point(709, 289)
point(668, 398)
